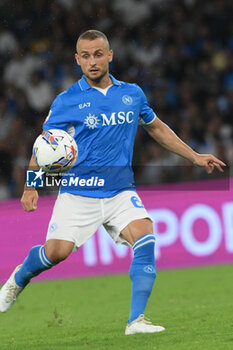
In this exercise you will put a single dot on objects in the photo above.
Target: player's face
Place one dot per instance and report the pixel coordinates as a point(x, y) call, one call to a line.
point(93, 56)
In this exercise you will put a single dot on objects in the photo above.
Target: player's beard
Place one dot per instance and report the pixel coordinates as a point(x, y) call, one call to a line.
point(97, 79)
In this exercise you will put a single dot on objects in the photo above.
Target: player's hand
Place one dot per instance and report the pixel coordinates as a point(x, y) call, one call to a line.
point(209, 162)
point(29, 200)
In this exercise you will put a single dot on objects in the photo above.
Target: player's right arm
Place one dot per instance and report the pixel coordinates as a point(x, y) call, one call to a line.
point(30, 195)
point(55, 120)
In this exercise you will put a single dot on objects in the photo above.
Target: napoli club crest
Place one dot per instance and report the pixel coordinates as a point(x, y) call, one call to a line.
point(127, 100)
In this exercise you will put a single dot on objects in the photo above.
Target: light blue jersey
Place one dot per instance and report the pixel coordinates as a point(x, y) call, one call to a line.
point(104, 127)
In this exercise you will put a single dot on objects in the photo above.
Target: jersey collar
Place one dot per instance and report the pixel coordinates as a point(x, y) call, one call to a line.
point(83, 84)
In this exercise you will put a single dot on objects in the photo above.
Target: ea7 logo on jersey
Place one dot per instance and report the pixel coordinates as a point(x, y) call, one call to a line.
point(84, 105)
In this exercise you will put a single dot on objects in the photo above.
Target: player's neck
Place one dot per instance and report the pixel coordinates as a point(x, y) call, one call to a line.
point(102, 83)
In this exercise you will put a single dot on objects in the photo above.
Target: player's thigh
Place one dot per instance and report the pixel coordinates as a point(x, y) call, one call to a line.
point(127, 218)
point(137, 228)
point(75, 219)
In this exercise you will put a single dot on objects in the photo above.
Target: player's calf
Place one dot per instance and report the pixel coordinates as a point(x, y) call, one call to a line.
point(142, 273)
point(35, 263)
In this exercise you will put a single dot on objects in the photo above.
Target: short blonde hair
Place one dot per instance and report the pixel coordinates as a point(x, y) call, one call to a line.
point(92, 34)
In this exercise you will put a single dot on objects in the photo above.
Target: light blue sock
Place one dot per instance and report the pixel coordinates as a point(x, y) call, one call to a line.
point(142, 273)
point(33, 265)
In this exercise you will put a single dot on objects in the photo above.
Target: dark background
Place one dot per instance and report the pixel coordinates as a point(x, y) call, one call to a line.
point(179, 52)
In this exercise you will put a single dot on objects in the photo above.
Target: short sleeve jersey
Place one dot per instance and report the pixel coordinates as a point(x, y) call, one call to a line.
point(104, 127)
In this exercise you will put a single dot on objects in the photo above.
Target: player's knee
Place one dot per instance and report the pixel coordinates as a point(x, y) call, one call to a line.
point(56, 256)
point(57, 252)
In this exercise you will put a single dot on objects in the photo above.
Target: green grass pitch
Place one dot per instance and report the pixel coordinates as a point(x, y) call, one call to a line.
point(194, 305)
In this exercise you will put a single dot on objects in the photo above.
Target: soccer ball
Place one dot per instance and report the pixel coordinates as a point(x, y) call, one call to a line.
point(55, 151)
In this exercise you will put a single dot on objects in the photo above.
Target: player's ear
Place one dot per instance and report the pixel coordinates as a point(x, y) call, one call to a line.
point(77, 59)
point(110, 56)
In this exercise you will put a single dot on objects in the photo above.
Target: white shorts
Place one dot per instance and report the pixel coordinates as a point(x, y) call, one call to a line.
point(76, 218)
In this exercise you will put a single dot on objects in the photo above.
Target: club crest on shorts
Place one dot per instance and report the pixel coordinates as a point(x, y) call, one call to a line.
point(53, 227)
point(127, 100)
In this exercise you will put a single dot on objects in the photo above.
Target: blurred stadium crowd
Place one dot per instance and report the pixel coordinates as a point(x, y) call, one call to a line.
point(179, 52)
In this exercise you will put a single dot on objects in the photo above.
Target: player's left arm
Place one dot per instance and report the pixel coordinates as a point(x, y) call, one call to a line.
point(161, 133)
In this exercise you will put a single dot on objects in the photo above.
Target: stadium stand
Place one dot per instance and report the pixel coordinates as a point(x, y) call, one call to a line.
point(179, 52)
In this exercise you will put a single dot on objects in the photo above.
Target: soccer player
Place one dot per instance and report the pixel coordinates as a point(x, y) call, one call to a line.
point(102, 114)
